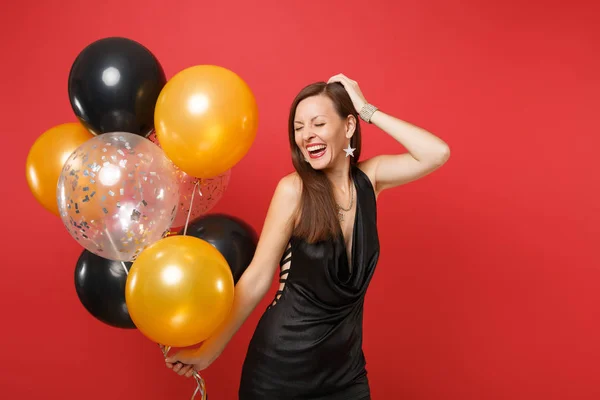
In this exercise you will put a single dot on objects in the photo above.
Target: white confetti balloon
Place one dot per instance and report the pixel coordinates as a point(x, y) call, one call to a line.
point(117, 194)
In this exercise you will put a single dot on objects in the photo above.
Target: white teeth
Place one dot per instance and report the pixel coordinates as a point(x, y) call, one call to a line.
point(316, 148)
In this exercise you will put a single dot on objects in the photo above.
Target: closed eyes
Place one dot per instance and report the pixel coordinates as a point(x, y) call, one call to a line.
point(318, 125)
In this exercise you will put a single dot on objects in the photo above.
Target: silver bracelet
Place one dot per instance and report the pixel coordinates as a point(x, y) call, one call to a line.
point(367, 111)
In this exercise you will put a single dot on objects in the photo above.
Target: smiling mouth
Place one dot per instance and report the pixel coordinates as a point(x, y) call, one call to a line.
point(316, 151)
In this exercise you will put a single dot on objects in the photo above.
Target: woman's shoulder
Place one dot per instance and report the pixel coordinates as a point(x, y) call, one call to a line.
point(288, 195)
point(289, 190)
point(367, 167)
point(290, 186)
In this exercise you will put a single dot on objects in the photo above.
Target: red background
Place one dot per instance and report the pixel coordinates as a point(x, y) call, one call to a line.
point(489, 279)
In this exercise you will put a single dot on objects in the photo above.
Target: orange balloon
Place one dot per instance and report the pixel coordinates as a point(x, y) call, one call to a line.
point(206, 118)
point(46, 159)
point(179, 290)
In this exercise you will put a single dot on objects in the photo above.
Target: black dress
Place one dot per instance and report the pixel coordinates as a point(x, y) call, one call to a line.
point(308, 343)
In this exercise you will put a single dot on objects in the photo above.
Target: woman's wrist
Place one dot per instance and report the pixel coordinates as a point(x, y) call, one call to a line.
point(366, 112)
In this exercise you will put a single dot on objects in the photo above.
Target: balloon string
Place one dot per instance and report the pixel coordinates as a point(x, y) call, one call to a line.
point(187, 221)
point(125, 268)
point(200, 385)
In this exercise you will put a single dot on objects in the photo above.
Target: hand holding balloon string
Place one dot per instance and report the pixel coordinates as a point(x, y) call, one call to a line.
point(201, 386)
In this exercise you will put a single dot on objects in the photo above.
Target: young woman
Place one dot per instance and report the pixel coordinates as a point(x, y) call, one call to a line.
point(321, 230)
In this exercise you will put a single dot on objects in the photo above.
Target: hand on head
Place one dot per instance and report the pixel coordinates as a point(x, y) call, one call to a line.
point(358, 99)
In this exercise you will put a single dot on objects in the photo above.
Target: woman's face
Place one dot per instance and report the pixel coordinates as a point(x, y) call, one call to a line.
point(320, 134)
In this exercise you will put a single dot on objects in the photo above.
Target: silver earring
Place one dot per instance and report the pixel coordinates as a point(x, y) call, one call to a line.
point(349, 151)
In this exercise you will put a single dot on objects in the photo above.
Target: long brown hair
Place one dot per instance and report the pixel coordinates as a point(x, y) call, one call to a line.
point(318, 211)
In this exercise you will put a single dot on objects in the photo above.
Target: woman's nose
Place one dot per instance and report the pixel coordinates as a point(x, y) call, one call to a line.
point(308, 134)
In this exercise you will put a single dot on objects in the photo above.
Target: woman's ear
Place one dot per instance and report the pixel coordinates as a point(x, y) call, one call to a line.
point(350, 126)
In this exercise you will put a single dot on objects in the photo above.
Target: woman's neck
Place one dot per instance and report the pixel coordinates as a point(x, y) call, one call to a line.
point(340, 177)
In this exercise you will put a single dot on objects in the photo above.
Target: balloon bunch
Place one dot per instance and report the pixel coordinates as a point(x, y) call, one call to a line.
point(133, 181)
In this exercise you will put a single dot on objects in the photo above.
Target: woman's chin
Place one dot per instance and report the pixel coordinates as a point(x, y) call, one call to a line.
point(324, 163)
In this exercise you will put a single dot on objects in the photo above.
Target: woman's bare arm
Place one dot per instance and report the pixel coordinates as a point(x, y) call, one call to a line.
point(256, 280)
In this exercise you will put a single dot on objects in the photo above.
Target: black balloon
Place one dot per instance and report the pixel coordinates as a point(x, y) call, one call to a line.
point(100, 286)
point(234, 238)
point(113, 86)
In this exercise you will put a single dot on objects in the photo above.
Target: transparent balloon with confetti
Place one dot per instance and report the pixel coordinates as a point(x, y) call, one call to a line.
point(117, 194)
